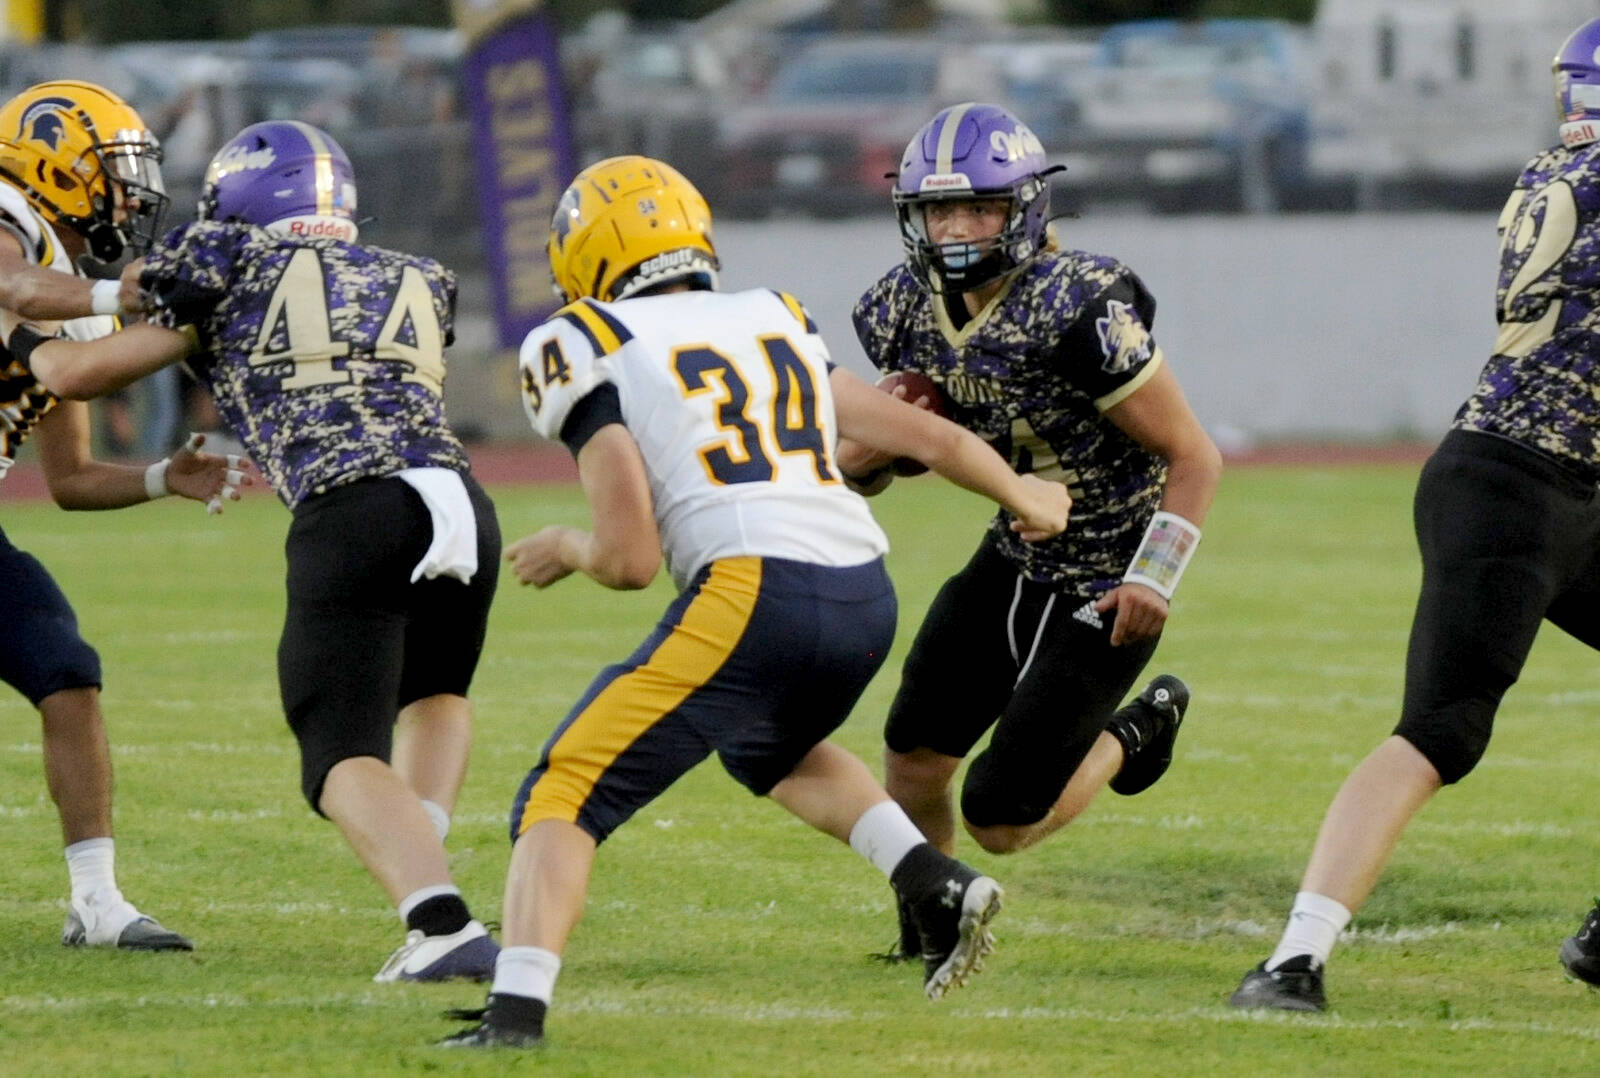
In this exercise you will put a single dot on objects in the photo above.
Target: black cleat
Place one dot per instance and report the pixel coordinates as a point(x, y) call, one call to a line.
point(953, 927)
point(1294, 986)
point(1581, 953)
point(1147, 728)
point(909, 947)
point(505, 1021)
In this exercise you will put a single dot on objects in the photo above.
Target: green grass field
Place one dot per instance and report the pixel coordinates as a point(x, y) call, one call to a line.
point(722, 937)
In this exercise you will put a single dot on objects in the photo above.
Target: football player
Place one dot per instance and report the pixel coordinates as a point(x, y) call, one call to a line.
point(1046, 353)
point(326, 358)
point(1509, 528)
point(704, 427)
point(80, 179)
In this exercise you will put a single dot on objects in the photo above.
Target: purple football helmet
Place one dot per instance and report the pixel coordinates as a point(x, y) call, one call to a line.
point(282, 170)
point(1577, 72)
point(973, 151)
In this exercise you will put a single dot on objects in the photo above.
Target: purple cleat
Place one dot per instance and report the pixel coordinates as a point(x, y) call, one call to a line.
point(467, 955)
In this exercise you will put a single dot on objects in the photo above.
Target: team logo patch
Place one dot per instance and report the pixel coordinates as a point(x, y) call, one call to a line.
point(1123, 339)
point(42, 122)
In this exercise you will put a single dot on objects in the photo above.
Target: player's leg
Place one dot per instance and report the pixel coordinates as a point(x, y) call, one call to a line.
point(1050, 753)
point(349, 582)
point(813, 642)
point(43, 657)
point(956, 678)
point(628, 738)
point(444, 639)
point(1495, 534)
point(1577, 612)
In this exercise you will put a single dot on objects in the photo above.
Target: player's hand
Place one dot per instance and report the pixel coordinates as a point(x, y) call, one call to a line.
point(1046, 511)
point(1141, 612)
point(536, 559)
point(206, 477)
point(130, 295)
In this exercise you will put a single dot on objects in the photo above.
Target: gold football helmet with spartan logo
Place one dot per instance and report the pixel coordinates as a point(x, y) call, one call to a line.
point(85, 160)
point(628, 224)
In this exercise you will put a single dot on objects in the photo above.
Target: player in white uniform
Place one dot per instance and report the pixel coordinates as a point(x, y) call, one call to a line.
point(78, 176)
point(704, 424)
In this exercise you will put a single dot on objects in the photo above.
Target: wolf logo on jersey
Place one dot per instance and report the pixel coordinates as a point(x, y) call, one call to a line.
point(729, 400)
point(1065, 340)
point(1539, 386)
point(322, 384)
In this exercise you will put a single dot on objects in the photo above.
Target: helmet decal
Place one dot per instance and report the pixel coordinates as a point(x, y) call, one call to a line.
point(43, 122)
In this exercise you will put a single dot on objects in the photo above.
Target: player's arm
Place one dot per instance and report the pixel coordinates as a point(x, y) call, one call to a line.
point(78, 481)
point(886, 423)
point(867, 470)
point(1157, 416)
point(624, 549)
point(83, 370)
point(40, 294)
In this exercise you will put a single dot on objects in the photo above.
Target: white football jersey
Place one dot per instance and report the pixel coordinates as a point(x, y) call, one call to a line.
point(43, 248)
point(727, 396)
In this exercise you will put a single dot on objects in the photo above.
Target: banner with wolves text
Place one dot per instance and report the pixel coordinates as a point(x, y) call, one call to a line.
point(523, 150)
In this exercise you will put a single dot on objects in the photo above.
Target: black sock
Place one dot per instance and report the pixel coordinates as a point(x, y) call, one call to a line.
point(440, 915)
point(523, 1014)
point(922, 870)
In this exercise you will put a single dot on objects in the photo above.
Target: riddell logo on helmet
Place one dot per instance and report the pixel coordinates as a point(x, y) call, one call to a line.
point(317, 226)
point(946, 181)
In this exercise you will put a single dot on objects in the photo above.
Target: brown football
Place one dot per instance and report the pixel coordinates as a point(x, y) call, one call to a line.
point(917, 386)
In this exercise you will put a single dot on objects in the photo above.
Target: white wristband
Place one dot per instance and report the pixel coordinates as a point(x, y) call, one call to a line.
point(1164, 553)
point(155, 479)
point(105, 297)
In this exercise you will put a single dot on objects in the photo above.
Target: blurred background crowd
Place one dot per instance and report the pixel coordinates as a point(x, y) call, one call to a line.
point(798, 108)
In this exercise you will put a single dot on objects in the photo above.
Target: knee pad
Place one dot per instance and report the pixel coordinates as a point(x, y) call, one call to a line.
point(990, 797)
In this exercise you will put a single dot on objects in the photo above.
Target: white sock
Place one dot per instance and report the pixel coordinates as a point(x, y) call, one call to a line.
point(884, 834)
point(526, 971)
point(1314, 926)
point(91, 865)
point(440, 818)
point(422, 894)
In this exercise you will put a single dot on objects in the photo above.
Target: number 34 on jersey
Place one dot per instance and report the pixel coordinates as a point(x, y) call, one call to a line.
point(738, 387)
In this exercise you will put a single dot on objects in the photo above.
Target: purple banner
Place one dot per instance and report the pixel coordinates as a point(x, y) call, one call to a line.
point(524, 156)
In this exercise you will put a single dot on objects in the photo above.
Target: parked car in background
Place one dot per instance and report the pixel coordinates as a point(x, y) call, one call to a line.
point(833, 121)
point(1433, 102)
point(1206, 114)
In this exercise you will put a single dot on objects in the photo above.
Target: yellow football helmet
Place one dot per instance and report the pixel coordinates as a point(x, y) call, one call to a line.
point(627, 224)
point(85, 160)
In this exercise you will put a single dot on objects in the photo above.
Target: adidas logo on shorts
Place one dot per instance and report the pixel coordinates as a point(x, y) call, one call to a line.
point(1088, 615)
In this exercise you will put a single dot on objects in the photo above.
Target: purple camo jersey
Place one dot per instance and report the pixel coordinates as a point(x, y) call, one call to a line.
point(1542, 385)
point(326, 358)
point(1067, 339)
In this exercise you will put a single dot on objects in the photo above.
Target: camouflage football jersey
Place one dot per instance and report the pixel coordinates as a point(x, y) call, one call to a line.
point(1032, 373)
point(326, 358)
point(1541, 387)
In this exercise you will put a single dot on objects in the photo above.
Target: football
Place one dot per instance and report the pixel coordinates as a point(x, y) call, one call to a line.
point(917, 386)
